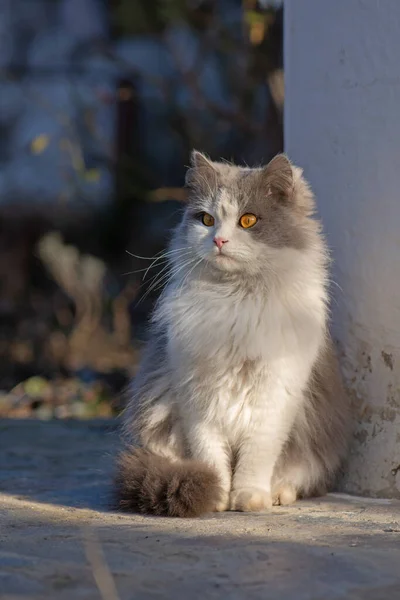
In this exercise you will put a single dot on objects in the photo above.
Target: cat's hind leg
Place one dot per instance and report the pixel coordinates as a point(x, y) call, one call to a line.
point(160, 431)
point(283, 495)
point(159, 477)
point(297, 476)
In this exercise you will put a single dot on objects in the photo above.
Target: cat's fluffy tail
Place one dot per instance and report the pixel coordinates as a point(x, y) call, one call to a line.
point(150, 484)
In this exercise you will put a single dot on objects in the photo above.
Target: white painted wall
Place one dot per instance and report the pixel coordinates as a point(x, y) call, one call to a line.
point(342, 121)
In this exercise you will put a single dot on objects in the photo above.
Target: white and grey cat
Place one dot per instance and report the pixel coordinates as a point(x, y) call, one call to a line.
point(238, 403)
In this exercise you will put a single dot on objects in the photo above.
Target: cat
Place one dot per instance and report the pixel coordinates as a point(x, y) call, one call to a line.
point(238, 403)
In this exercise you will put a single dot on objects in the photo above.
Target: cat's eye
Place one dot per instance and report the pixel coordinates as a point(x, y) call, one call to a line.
point(248, 220)
point(207, 220)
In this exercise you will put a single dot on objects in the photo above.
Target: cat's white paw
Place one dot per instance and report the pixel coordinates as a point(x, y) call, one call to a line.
point(250, 500)
point(223, 504)
point(285, 495)
point(222, 507)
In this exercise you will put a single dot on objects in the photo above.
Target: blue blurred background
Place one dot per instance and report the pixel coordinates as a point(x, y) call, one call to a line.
point(101, 102)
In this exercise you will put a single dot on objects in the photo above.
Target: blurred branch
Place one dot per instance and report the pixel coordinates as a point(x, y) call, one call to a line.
point(276, 84)
point(190, 79)
point(167, 193)
point(81, 277)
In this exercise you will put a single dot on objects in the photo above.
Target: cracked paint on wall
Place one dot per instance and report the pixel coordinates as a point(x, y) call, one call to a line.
point(374, 389)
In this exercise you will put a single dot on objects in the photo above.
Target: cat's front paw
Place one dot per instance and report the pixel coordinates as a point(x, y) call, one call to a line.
point(250, 500)
point(285, 495)
point(223, 503)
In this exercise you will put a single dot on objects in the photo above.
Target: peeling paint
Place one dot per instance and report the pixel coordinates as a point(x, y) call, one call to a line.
point(388, 359)
point(393, 396)
point(361, 436)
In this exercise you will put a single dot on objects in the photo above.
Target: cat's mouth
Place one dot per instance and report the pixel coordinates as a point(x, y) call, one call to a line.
point(223, 260)
point(219, 255)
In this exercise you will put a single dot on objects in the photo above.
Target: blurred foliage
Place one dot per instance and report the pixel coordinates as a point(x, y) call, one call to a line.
point(250, 45)
point(144, 17)
point(40, 143)
point(60, 398)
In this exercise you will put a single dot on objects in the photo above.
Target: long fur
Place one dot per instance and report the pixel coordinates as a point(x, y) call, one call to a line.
point(239, 374)
point(150, 484)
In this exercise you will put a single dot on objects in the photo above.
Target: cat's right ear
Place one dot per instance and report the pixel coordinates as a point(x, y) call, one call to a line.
point(202, 172)
point(278, 177)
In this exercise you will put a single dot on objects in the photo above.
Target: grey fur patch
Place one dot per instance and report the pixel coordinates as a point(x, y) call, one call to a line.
point(151, 484)
point(321, 433)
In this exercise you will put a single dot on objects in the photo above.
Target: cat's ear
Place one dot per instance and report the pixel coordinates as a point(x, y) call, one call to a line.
point(198, 160)
point(202, 172)
point(278, 177)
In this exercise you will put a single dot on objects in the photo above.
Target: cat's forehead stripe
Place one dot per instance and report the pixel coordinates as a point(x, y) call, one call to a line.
point(226, 204)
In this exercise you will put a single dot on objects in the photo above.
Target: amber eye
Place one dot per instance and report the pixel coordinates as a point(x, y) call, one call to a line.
point(207, 220)
point(248, 220)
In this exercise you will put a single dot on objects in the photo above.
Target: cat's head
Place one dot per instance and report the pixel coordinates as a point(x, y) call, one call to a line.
point(237, 218)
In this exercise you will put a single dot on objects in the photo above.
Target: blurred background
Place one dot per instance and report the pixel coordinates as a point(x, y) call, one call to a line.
point(101, 102)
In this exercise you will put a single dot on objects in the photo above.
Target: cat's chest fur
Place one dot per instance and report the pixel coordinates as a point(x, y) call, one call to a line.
point(238, 328)
point(204, 324)
point(229, 351)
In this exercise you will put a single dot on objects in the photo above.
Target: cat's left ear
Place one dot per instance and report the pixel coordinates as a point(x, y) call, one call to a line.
point(278, 177)
point(198, 160)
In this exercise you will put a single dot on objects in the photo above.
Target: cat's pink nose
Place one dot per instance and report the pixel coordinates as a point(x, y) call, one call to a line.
point(219, 242)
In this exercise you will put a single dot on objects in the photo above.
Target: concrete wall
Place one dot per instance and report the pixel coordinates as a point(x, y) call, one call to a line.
point(342, 62)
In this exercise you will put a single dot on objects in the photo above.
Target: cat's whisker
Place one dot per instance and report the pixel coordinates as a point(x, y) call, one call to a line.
point(165, 278)
point(167, 260)
point(332, 282)
point(158, 275)
point(157, 260)
point(180, 287)
point(156, 285)
point(179, 268)
point(162, 253)
point(144, 269)
point(187, 251)
point(169, 264)
point(175, 271)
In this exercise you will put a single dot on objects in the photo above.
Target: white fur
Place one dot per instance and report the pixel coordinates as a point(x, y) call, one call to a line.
point(221, 333)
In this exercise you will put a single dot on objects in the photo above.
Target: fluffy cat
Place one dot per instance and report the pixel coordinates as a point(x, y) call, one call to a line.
point(238, 403)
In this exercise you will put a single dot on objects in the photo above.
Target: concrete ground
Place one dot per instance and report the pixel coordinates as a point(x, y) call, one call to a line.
point(57, 539)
